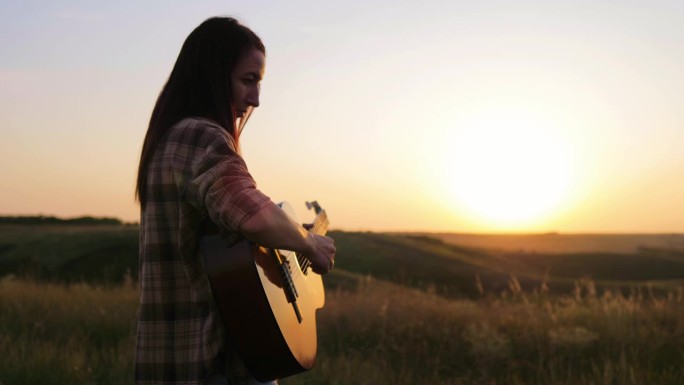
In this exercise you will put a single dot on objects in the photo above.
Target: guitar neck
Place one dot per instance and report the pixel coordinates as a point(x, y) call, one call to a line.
point(320, 224)
point(320, 227)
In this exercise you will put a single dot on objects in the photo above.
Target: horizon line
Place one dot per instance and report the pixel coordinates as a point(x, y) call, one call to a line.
point(385, 230)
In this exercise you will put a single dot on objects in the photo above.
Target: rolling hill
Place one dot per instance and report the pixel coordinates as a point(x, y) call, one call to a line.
point(109, 253)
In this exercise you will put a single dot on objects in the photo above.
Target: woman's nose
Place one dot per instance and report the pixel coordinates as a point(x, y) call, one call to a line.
point(253, 98)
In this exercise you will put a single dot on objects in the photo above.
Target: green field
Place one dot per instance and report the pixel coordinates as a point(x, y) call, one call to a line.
point(400, 309)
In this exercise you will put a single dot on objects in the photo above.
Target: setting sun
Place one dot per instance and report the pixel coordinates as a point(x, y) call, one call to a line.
point(509, 168)
point(470, 117)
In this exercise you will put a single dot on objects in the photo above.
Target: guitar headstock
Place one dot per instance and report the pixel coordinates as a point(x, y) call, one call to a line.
point(320, 225)
point(315, 206)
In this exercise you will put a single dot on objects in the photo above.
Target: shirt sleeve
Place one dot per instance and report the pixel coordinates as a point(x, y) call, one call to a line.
point(219, 184)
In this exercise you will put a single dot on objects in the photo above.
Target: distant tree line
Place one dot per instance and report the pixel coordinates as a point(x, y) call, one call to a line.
point(49, 220)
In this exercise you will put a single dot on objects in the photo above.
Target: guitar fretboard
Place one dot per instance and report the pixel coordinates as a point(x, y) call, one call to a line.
point(320, 227)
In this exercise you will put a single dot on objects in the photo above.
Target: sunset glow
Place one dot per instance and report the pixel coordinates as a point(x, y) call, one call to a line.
point(432, 116)
point(509, 167)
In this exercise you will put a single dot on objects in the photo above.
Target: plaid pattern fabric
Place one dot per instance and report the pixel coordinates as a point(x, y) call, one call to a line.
point(195, 174)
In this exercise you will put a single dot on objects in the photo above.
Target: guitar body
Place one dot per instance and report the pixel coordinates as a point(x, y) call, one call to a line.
point(273, 331)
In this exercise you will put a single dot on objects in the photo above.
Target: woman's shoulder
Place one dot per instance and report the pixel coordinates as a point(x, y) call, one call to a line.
point(196, 124)
point(198, 131)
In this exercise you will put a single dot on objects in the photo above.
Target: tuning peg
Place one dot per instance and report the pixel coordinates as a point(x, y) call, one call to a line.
point(314, 205)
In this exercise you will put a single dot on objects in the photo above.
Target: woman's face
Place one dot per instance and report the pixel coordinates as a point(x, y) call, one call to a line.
point(246, 79)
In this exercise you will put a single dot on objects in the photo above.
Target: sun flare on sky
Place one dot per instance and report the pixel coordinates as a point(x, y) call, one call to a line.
point(509, 167)
point(440, 116)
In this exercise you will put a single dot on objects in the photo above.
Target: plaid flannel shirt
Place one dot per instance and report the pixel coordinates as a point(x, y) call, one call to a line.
point(195, 174)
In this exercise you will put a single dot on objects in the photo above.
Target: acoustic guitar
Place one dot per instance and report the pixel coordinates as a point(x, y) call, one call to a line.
point(268, 300)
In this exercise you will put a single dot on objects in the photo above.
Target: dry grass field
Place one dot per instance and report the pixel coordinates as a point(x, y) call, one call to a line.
point(400, 309)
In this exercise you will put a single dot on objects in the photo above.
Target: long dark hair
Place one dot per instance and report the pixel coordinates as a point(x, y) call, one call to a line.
point(199, 85)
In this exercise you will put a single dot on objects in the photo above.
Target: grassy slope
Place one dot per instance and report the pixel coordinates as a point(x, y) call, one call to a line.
point(421, 261)
point(565, 243)
point(109, 253)
point(69, 252)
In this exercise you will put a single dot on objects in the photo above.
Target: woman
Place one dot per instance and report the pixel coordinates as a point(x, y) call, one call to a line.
point(191, 180)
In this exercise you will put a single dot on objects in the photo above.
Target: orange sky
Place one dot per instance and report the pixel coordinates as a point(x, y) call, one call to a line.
point(437, 117)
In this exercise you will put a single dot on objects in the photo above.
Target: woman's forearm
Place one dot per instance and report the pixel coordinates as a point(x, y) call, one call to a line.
point(271, 227)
